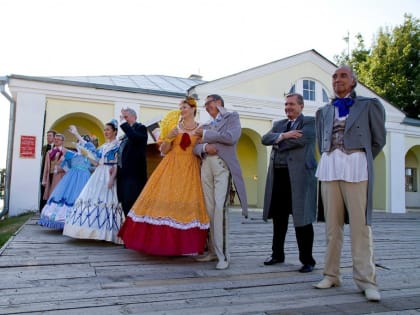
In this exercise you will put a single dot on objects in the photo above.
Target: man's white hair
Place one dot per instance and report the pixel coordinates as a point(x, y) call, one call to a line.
point(131, 112)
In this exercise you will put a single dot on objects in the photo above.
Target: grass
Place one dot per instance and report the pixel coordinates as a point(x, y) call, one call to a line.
point(10, 225)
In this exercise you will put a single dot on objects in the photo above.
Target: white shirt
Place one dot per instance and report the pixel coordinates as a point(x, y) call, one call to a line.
point(337, 165)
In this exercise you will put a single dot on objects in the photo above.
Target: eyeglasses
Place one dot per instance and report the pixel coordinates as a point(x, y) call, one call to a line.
point(208, 102)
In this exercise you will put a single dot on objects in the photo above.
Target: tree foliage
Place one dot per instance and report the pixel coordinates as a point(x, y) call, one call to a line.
point(391, 66)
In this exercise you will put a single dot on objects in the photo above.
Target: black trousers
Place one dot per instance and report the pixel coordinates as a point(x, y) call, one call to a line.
point(280, 209)
point(42, 202)
point(128, 190)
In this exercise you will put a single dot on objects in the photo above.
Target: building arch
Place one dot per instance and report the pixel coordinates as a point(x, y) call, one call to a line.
point(253, 159)
point(85, 123)
point(412, 177)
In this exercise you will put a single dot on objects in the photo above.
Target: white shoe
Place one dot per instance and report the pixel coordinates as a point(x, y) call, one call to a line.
point(222, 264)
point(205, 258)
point(326, 283)
point(372, 295)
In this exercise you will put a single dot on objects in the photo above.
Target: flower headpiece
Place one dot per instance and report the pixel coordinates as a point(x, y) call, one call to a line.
point(191, 101)
point(114, 122)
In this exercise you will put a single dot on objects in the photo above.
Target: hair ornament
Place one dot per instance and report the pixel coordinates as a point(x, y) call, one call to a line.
point(191, 101)
point(114, 122)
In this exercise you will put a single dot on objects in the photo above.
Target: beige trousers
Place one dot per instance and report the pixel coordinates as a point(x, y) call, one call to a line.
point(215, 177)
point(353, 196)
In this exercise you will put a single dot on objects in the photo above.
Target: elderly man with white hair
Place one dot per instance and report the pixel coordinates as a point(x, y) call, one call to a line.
point(132, 168)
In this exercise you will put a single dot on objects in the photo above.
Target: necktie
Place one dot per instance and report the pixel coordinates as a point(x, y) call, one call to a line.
point(289, 125)
point(343, 105)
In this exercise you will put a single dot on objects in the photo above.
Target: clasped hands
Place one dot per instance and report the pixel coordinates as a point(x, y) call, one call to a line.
point(210, 148)
point(292, 134)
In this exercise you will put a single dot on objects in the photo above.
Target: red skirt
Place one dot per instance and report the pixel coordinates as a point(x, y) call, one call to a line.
point(162, 240)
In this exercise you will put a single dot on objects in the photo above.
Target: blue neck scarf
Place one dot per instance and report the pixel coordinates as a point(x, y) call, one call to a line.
point(343, 105)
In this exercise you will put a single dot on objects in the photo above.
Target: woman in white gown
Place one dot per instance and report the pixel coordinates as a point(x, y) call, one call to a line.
point(96, 213)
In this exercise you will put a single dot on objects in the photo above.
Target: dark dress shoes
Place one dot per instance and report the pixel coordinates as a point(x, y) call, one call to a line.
point(273, 261)
point(306, 268)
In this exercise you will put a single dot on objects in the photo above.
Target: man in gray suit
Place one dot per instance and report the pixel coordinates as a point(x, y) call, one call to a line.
point(220, 164)
point(291, 182)
point(351, 133)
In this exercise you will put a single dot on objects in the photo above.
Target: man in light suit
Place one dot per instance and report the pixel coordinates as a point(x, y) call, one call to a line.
point(219, 165)
point(350, 133)
point(291, 186)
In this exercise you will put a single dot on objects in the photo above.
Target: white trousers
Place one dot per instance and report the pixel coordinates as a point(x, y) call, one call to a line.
point(336, 195)
point(215, 177)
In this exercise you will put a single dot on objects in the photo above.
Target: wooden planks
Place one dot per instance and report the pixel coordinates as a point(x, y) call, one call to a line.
point(42, 271)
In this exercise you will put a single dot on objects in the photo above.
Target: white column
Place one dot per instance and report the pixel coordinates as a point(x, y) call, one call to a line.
point(25, 172)
point(396, 178)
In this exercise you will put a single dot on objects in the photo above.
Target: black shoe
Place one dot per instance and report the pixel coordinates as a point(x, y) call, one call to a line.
point(306, 268)
point(273, 261)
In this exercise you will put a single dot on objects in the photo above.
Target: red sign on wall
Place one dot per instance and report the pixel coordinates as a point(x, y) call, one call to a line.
point(27, 146)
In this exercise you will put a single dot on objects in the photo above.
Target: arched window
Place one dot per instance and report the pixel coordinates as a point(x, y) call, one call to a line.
point(308, 90)
point(325, 97)
point(292, 89)
point(312, 91)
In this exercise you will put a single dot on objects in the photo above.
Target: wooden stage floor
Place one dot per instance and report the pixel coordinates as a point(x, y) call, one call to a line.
point(43, 272)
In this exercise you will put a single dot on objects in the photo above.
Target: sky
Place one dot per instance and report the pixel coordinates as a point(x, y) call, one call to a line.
point(212, 38)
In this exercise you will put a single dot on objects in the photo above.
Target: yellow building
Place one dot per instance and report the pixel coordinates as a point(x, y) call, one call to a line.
point(257, 94)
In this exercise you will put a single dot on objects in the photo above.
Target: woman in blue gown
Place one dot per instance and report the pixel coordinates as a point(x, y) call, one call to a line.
point(61, 201)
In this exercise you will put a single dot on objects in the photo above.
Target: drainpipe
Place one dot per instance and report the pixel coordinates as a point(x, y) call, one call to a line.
point(9, 154)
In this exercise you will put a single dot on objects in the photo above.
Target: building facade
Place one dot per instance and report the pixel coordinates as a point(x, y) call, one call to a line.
point(257, 94)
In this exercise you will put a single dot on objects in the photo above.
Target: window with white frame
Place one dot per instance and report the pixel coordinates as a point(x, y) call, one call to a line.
point(308, 90)
point(292, 89)
point(311, 90)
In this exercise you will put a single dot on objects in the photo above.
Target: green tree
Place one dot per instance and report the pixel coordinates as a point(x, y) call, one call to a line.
point(391, 66)
point(358, 55)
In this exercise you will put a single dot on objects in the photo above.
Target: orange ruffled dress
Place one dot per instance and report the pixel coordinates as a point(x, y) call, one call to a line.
point(169, 217)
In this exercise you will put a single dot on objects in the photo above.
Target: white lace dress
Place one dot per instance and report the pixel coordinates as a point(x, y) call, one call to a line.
point(96, 213)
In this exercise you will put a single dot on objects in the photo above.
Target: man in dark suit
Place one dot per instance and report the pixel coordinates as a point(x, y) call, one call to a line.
point(44, 150)
point(291, 183)
point(132, 167)
point(351, 133)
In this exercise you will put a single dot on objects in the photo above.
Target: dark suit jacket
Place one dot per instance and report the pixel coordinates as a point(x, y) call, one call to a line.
point(299, 155)
point(44, 151)
point(133, 151)
point(132, 174)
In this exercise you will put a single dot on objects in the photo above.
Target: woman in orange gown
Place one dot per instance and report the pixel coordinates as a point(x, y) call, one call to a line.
point(169, 217)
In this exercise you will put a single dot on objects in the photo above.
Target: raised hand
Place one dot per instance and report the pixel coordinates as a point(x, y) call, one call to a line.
point(73, 130)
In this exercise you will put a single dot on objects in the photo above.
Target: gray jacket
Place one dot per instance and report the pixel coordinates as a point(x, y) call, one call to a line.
point(365, 129)
point(225, 136)
point(300, 159)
